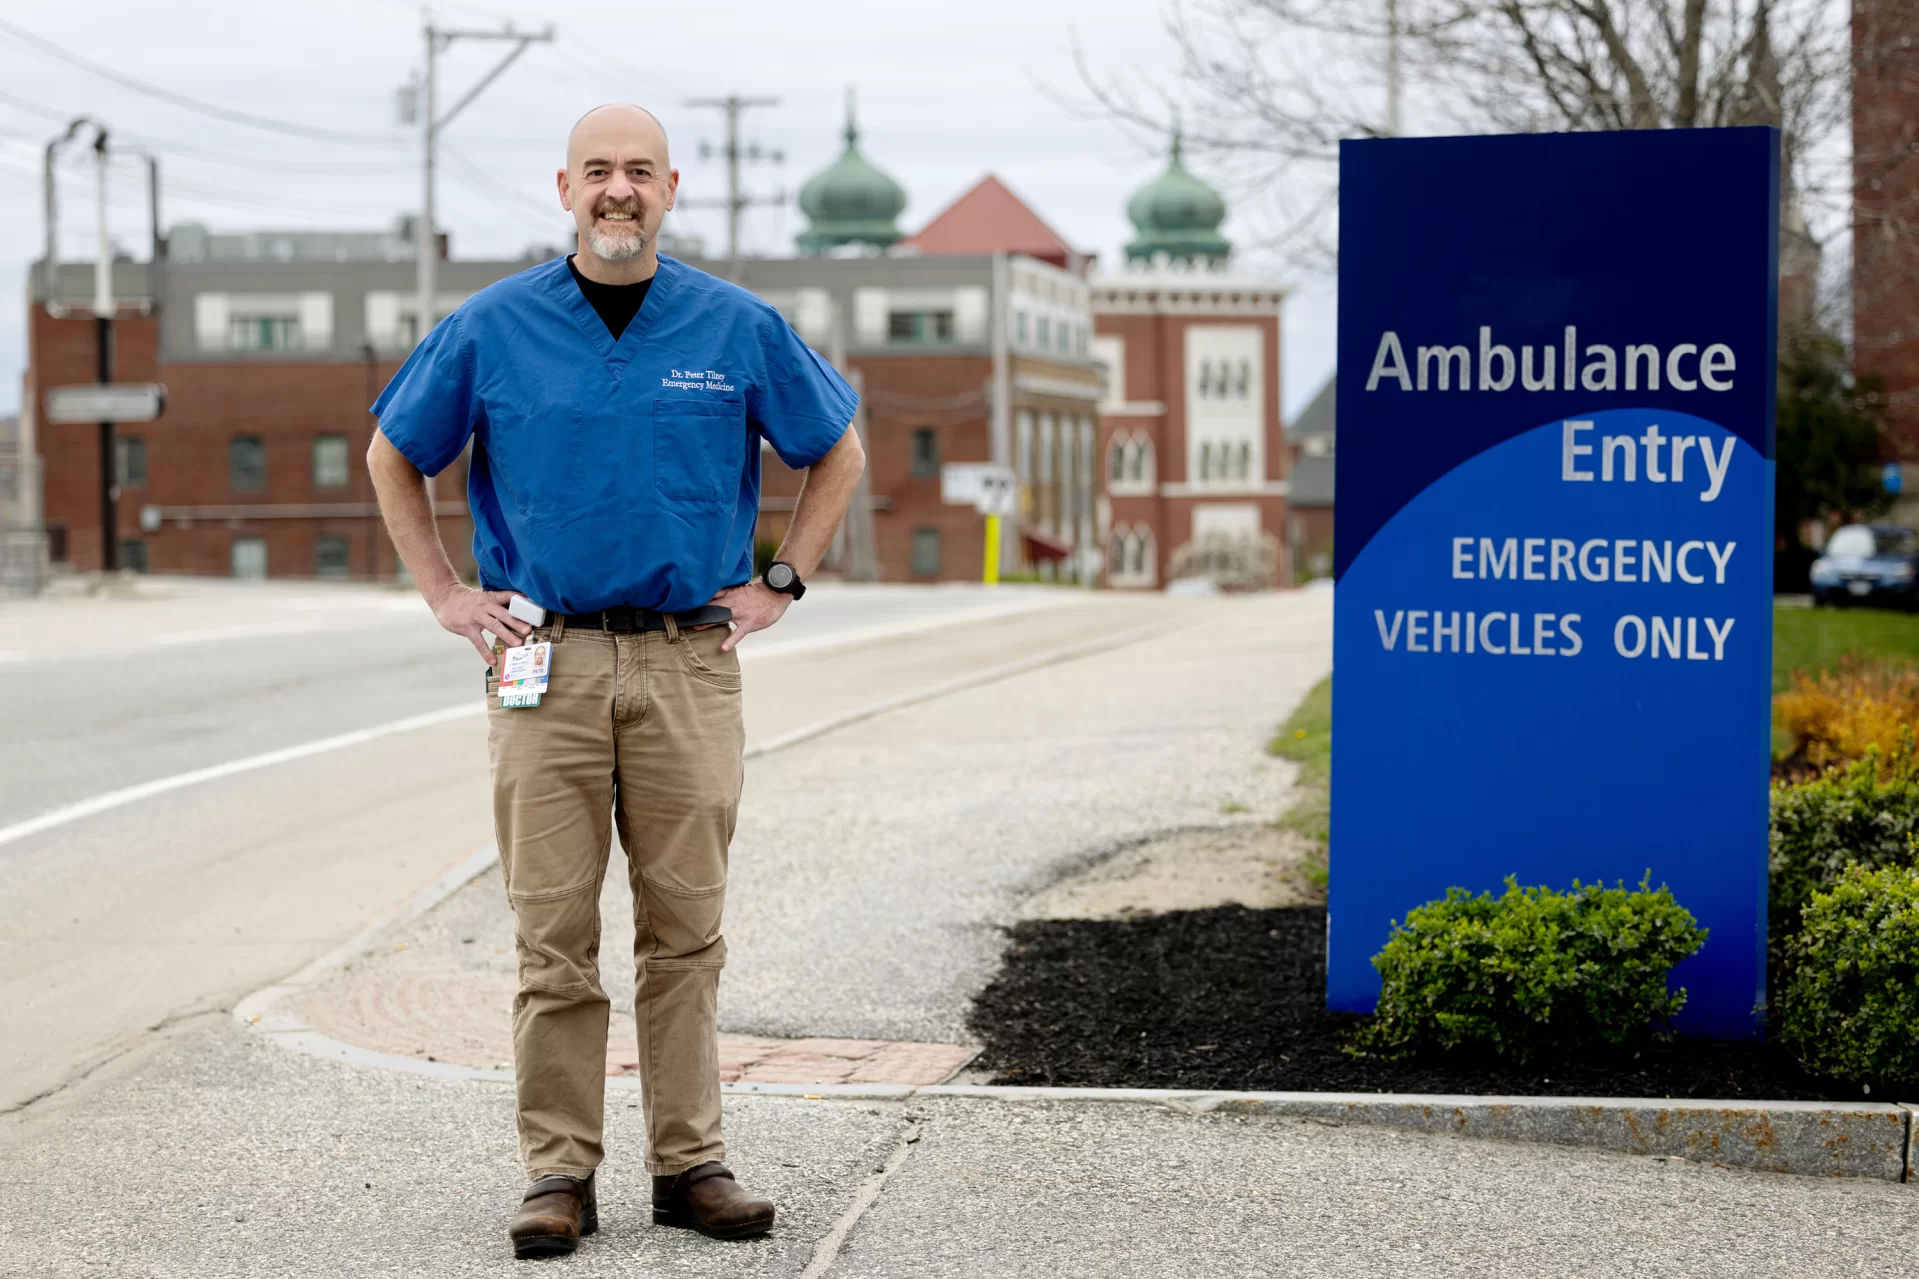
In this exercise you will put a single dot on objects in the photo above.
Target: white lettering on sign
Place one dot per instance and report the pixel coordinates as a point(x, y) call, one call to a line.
point(1498, 633)
point(1595, 559)
point(1633, 636)
point(1621, 456)
point(1560, 366)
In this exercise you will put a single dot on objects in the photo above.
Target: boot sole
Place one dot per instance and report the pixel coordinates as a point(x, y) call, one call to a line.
point(746, 1230)
point(535, 1247)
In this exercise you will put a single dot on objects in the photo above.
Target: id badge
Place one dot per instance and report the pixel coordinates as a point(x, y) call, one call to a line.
point(524, 673)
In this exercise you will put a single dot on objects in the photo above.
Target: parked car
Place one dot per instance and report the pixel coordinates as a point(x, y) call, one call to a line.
point(1868, 564)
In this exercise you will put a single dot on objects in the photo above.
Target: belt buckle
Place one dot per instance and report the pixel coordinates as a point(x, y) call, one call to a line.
point(620, 620)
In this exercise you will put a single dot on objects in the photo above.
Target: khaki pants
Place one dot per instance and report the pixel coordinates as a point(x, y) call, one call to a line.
point(642, 732)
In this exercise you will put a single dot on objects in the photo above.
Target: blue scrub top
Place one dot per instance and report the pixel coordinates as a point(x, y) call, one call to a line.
point(608, 473)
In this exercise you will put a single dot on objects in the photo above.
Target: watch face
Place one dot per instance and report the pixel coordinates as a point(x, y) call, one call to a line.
point(780, 576)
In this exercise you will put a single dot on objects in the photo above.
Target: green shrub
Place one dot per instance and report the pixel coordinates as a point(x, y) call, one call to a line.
point(1864, 813)
point(1852, 990)
point(1532, 972)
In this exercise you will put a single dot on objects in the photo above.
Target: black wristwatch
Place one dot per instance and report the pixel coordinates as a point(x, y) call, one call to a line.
point(784, 578)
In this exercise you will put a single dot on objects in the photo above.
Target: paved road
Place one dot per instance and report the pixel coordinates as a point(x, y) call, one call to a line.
point(147, 912)
point(185, 674)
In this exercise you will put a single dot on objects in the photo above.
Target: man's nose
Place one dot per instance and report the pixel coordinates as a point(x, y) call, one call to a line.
point(618, 188)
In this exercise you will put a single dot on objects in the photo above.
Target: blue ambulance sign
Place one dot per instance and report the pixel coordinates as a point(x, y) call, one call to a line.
point(1553, 622)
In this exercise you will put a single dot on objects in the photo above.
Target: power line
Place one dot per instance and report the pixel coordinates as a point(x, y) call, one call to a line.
point(213, 110)
point(477, 175)
point(211, 155)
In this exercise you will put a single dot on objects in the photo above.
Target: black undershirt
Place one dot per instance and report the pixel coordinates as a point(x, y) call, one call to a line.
point(617, 304)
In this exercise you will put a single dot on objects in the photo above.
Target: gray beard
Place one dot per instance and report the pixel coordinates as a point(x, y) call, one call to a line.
point(617, 248)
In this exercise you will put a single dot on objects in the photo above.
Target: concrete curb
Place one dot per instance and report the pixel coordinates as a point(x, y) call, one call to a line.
point(1808, 1138)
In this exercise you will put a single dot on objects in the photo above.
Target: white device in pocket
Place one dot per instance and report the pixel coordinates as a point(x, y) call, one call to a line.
point(526, 610)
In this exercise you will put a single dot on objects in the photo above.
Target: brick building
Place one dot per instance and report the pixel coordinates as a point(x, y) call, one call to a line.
point(1189, 451)
point(256, 468)
point(1885, 150)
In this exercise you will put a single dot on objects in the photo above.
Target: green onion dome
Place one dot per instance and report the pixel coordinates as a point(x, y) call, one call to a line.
point(850, 201)
point(1177, 215)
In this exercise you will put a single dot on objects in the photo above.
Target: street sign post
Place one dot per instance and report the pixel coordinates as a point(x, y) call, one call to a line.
point(990, 489)
point(1553, 615)
point(113, 402)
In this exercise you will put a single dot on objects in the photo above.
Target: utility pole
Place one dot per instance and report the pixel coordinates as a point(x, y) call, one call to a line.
point(427, 241)
point(103, 308)
point(735, 200)
point(104, 302)
point(1392, 69)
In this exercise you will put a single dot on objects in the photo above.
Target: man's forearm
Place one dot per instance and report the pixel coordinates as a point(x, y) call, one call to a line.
point(407, 506)
point(824, 494)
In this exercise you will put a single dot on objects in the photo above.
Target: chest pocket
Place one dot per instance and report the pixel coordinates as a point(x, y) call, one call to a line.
point(699, 449)
point(552, 462)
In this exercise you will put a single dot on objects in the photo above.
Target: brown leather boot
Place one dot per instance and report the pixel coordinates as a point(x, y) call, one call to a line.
point(556, 1213)
point(709, 1200)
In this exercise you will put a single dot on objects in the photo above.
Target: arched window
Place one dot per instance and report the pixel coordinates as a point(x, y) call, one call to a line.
point(1132, 562)
point(1245, 460)
point(1118, 456)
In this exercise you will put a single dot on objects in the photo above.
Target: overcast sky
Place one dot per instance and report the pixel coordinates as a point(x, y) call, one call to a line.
point(982, 87)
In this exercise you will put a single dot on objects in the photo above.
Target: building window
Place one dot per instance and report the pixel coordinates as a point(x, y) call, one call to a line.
point(1047, 441)
point(133, 554)
point(264, 333)
point(1024, 423)
point(329, 462)
point(247, 463)
point(57, 543)
point(1045, 332)
point(926, 452)
point(919, 328)
point(1130, 462)
point(926, 552)
point(1132, 561)
point(249, 557)
point(131, 452)
point(332, 556)
point(1225, 379)
point(1019, 327)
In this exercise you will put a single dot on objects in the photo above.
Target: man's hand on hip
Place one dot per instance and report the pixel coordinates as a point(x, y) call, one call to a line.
point(465, 611)
point(755, 606)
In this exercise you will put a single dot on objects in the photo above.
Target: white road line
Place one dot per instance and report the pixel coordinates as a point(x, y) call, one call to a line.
point(215, 634)
point(771, 646)
point(180, 781)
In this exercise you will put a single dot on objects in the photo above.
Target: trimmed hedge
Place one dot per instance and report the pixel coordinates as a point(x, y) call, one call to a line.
point(1851, 1005)
point(1531, 972)
point(1864, 813)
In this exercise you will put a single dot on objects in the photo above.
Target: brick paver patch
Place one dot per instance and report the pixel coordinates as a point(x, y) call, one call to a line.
point(465, 1020)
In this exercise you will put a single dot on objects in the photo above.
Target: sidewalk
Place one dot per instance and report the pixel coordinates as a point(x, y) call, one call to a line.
point(227, 1156)
point(873, 869)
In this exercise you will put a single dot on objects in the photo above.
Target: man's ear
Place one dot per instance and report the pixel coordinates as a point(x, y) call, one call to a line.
point(566, 195)
point(672, 187)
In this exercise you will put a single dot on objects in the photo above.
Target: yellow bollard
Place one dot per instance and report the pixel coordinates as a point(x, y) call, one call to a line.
point(991, 575)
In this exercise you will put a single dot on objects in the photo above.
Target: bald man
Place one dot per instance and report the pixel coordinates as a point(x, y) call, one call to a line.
point(615, 400)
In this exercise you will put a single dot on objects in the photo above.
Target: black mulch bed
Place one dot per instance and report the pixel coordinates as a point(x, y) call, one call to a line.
point(1232, 999)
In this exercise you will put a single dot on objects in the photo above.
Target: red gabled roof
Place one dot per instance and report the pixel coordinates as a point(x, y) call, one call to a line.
point(991, 219)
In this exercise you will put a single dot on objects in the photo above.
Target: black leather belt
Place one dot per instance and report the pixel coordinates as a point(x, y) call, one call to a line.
point(634, 621)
